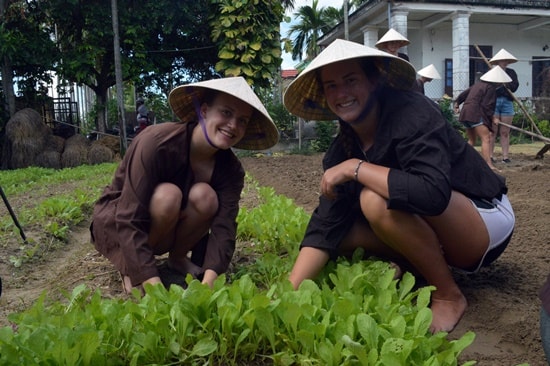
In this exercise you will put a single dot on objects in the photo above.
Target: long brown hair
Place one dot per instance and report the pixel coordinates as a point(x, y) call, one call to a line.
point(346, 133)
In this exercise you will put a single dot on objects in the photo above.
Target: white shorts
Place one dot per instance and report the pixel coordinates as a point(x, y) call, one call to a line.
point(500, 220)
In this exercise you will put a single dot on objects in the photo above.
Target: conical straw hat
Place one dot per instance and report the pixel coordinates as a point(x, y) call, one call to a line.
point(261, 133)
point(503, 55)
point(392, 36)
point(496, 75)
point(304, 96)
point(429, 72)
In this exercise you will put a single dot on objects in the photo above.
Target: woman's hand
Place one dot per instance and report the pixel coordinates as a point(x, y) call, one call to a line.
point(337, 175)
point(209, 277)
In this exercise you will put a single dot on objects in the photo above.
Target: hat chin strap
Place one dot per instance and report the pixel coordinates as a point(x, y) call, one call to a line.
point(203, 123)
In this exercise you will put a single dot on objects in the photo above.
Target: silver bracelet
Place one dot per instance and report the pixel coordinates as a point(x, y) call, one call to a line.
point(357, 169)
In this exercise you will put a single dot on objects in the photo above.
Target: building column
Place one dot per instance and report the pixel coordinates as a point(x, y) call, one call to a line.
point(461, 52)
point(370, 35)
point(398, 21)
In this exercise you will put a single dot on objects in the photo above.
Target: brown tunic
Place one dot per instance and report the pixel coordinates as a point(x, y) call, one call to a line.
point(479, 104)
point(121, 217)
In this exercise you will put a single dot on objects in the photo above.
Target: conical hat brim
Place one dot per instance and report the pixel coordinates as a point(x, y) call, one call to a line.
point(496, 75)
point(304, 96)
point(429, 72)
point(392, 36)
point(503, 55)
point(261, 133)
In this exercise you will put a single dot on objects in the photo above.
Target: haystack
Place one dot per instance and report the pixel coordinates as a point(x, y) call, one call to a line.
point(99, 153)
point(55, 143)
point(49, 159)
point(26, 137)
point(77, 140)
point(51, 156)
point(112, 142)
point(75, 152)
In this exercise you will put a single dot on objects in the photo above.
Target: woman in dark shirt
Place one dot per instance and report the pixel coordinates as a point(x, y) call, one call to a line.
point(399, 182)
point(177, 189)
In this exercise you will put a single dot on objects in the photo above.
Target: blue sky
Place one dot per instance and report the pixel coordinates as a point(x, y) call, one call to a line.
point(287, 58)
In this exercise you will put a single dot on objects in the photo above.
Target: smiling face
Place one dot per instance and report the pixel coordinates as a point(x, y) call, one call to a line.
point(347, 89)
point(393, 47)
point(226, 119)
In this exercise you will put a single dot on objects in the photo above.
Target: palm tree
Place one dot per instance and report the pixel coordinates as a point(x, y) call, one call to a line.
point(312, 23)
point(288, 4)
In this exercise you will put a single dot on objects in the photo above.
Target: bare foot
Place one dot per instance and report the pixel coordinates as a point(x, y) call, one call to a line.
point(447, 313)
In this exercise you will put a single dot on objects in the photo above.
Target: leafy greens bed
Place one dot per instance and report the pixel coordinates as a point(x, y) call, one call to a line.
point(356, 313)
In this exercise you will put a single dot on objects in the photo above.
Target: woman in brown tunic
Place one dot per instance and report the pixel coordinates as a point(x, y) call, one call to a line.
point(178, 186)
point(478, 108)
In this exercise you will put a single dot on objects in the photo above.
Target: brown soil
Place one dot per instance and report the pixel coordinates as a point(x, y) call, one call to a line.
point(503, 304)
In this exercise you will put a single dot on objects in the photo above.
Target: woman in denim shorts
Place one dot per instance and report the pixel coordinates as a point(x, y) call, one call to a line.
point(504, 109)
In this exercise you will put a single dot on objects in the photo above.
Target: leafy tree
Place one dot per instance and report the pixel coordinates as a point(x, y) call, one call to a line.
point(27, 52)
point(312, 23)
point(149, 35)
point(182, 50)
point(248, 38)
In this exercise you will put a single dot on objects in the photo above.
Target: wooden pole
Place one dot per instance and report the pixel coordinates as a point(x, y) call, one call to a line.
point(525, 112)
point(540, 137)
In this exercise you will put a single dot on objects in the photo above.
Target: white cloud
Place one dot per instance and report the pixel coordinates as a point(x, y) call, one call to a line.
point(288, 63)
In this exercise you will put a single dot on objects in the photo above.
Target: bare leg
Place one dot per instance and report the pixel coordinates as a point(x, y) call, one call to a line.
point(362, 236)
point(415, 239)
point(505, 137)
point(485, 135)
point(472, 136)
point(494, 135)
point(175, 231)
point(309, 263)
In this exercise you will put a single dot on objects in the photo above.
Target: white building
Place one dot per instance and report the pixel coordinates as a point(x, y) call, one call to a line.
point(445, 33)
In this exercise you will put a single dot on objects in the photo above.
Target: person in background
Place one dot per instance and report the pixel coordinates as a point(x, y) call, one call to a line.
point(391, 42)
point(426, 74)
point(178, 187)
point(142, 115)
point(544, 296)
point(504, 109)
point(478, 107)
point(399, 181)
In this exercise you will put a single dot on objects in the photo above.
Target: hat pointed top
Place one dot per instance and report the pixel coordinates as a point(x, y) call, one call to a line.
point(496, 75)
point(503, 55)
point(429, 72)
point(392, 36)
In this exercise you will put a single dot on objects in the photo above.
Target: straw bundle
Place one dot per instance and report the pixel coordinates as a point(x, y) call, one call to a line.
point(99, 153)
point(112, 142)
point(76, 151)
point(26, 136)
point(49, 159)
